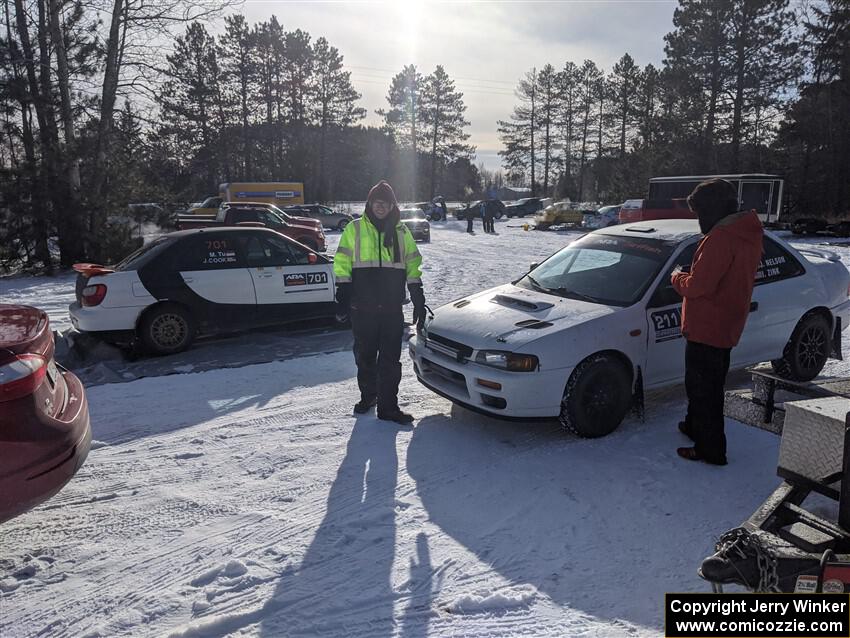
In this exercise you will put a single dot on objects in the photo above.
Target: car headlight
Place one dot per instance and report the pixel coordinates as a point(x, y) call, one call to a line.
point(508, 360)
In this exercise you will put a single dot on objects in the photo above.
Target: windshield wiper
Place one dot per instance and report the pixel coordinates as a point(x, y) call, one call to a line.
point(536, 285)
point(575, 295)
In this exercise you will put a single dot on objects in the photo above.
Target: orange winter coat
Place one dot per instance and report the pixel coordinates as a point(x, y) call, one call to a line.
point(718, 289)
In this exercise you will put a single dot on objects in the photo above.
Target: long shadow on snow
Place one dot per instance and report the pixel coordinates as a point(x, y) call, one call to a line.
point(605, 526)
point(158, 405)
point(231, 351)
point(342, 586)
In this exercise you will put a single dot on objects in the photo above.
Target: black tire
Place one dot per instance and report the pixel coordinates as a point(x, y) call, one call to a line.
point(543, 226)
point(167, 328)
point(342, 224)
point(807, 350)
point(597, 397)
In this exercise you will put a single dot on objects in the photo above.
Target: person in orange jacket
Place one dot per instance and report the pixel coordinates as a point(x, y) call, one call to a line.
point(716, 293)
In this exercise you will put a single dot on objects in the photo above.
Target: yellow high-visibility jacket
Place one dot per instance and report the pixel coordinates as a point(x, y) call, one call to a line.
point(376, 274)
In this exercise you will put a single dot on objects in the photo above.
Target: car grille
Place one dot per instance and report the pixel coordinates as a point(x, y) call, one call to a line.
point(455, 379)
point(443, 345)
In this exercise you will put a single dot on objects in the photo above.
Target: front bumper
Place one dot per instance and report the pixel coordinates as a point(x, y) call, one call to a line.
point(522, 395)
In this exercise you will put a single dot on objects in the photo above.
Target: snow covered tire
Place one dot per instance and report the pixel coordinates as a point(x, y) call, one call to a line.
point(597, 397)
point(807, 350)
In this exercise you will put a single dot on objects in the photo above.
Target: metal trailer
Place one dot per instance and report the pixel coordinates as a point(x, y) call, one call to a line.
point(758, 191)
point(784, 547)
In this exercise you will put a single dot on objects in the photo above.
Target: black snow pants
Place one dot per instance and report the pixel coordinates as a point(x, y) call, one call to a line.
point(705, 377)
point(489, 225)
point(469, 219)
point(377, 352)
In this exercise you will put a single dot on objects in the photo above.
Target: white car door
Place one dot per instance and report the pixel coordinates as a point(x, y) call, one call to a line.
point(291, 281)
point(780, 298)
point(665, 350)
point(213, 281)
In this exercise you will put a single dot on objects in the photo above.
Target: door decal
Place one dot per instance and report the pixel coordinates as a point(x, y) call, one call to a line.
point(667, 324)
point(305, 279)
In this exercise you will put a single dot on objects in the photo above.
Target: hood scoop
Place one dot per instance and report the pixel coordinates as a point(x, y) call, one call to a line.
point(521, 304)
point(462, 303)
point(533, 324)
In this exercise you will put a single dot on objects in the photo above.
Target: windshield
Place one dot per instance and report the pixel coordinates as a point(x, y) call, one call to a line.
point(138, 258)
point(408, 213)
point(603, 269)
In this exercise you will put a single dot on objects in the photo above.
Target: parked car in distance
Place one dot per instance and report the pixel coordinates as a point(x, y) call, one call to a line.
point(415, 221)
point(430, 210)
point(602, 218)
point(558, 213)
point(44, 416)
point(209, 206)
point(585, 332)
point(523, 207)
point(306, 230)
point(494, 206)
point(202, 282)
point(808, 226)
point(636, 210)
point(328, 217)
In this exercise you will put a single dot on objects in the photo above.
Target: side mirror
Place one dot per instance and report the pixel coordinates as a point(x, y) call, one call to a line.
point(311, 258)
point(533, 266)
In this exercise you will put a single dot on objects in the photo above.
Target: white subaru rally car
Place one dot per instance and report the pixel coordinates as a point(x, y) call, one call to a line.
point(582, 334)
point(201, 282)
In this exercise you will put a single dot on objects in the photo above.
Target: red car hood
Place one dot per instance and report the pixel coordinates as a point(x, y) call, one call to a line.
point(24, 329)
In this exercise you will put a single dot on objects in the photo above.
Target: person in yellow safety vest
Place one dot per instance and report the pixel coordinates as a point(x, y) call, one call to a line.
point(376, 257)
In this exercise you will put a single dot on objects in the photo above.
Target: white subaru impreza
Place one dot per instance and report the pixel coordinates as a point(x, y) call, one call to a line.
point(582, 334)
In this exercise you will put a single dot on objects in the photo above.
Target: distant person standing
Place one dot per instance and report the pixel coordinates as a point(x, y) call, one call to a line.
point(717, 292)
point(489, 226)
point(470, 217)
point(376, 257)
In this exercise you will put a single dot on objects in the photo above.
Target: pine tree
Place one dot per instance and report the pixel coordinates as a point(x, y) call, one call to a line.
point(443, 122)
point(235, 53)
point(625, 84)
point(519, 155)
point(402, 121)
point(588, 90)
point(333, 105)
point(549, 109)
point(567, 80)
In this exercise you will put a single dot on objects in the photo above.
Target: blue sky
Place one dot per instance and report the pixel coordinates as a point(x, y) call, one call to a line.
point(485, 46)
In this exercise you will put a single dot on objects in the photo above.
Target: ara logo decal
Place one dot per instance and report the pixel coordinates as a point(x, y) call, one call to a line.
point(305, 279)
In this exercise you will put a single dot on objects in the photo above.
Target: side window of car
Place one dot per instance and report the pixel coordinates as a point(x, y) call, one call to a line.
point(298, 255)
point(269, 219)
point(237, 216)
point(207, 252)
point(776, 264)
point(665, 294)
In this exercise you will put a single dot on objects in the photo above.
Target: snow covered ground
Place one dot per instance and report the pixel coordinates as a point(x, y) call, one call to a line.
point(248, 501)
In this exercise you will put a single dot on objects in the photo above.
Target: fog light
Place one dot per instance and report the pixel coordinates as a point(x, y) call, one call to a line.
point(494, 402)
point(489, 384)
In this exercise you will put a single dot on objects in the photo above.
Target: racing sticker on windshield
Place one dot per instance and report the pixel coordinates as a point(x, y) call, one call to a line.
point(305, 278)
point(667, 324)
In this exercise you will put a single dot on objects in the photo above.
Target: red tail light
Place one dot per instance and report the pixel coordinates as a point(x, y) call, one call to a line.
point(21, 376)
point(93, 295)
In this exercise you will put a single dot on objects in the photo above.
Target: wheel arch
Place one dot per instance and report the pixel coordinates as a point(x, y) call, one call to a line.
point(158, 304)
point(618, 356)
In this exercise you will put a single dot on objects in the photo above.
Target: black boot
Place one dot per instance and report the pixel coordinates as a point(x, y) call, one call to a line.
point(364, 405)
point(395, 415)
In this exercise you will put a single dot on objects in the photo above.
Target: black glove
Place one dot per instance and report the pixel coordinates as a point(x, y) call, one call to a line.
point(343, 302)
point(417, 296)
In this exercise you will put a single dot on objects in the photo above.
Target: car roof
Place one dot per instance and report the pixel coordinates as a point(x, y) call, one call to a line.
point(214, 231)
point(674, 230)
